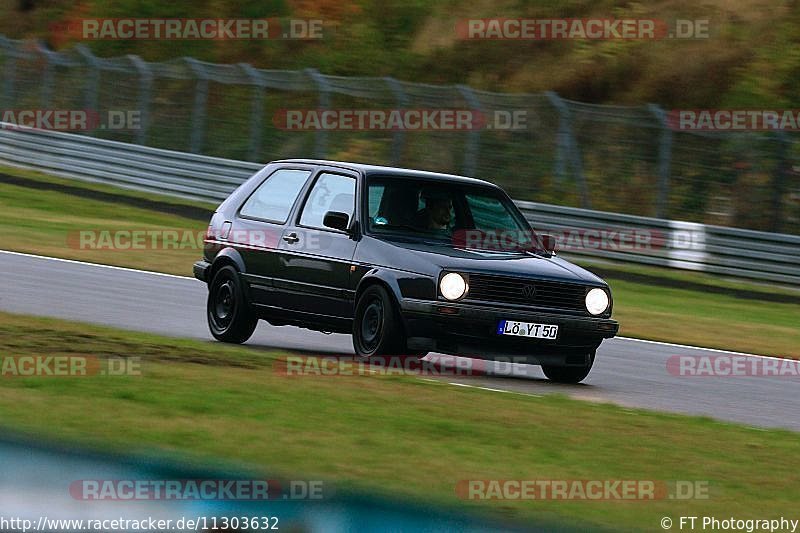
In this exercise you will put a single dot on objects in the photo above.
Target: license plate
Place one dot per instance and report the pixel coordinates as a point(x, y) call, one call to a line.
point(527, 329)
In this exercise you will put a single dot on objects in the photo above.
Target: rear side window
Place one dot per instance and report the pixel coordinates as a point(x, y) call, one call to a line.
point(331, 192)
point(274, 198)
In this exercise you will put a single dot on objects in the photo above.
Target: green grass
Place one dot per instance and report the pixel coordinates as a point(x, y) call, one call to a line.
point(47, 222)
point(703, 319)
point(678, 277)
point(133, 194)
point(41, 222)
point(390, 435)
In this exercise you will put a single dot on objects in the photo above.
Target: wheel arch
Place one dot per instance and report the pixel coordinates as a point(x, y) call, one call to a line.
point(380, 277)
point(226, 257)
point(386, 279)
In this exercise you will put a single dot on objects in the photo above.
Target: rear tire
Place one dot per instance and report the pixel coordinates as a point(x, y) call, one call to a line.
point(377, 327)
point(230, 317)
point(568, 374)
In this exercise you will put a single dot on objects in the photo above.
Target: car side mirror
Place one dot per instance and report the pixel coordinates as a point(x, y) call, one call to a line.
point(549, 243)
point(336, 220)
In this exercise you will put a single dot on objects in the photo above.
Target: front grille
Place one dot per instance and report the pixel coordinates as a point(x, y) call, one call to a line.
point(550, 294)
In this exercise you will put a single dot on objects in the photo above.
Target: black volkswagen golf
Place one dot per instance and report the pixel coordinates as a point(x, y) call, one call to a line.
point(406, 261)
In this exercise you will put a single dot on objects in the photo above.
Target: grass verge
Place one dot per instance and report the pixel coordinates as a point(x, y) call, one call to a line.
point(389, 434)
point(47, 222)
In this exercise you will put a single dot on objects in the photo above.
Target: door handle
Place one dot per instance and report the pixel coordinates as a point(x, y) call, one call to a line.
point(291, 238)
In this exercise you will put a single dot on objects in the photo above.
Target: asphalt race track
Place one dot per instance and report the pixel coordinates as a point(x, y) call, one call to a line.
point(628, 372)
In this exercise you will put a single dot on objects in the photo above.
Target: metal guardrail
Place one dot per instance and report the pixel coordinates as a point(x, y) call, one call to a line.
point(627, 238)
point(670, 243)
point(132, 166)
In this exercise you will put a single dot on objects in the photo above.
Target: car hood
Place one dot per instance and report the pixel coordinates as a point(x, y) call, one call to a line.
point(500, 263)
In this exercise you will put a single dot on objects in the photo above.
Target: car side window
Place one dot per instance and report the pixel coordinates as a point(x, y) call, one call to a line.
point(331, 192)
point(274, 198)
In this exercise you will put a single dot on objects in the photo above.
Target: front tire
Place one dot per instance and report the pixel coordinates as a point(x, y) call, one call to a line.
point(377, 329)
point(230, 318)
point(568, 374)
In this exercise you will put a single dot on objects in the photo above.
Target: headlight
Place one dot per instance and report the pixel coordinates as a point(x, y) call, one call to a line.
point(596, 301)
point(453, 286)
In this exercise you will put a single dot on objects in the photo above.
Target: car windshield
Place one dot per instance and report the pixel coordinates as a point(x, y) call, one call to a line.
point(452, 212)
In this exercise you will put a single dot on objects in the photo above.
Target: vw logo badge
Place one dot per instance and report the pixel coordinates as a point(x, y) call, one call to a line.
point(528, 291)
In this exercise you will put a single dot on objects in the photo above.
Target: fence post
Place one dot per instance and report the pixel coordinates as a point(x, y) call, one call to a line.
point(90, 96)
point(567, 143)
point(664, 161)
point(474, 136)
point(197, 135)
point(145, 88)
point(779, 181)
point(398, 137)
point(256, 109)
point(559, 167)
point(47, 75)
point(9, 71)
point(321, 141)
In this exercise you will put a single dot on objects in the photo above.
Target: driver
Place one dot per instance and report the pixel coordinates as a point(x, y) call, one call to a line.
point(436, 214)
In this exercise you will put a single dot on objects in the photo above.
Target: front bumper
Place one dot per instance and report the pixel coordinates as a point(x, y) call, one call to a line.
point(471, 331)
point(200, 269)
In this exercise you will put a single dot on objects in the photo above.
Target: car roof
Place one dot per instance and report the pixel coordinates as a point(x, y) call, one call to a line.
point(389, 171)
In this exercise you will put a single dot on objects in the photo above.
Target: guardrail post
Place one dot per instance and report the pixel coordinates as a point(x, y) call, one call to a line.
point(686, 245)
point(92, 79)
point(474, 136)
point(568, 147)
point(197, 135)
point(664, 161)
point(321, 140)
point(145, 89)
point(398, 137)
point(256, 109)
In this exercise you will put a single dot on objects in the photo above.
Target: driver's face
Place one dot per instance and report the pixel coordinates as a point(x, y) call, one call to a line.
point(440, 212)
